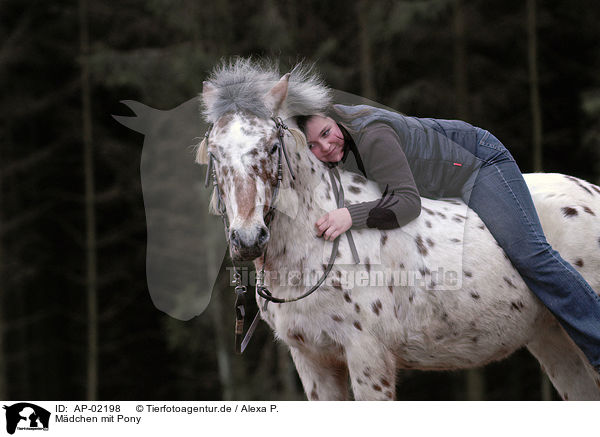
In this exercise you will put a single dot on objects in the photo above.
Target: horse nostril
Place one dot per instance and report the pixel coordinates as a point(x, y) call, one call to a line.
point(263, 236)
point(234, 238)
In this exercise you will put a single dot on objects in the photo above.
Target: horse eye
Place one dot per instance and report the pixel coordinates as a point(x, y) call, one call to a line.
point(274, 148)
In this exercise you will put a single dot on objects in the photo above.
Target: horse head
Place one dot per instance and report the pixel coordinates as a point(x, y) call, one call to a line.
point(245, 101)
point(245, 152)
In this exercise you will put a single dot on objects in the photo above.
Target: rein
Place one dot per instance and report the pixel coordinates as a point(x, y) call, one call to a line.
point(241, 341)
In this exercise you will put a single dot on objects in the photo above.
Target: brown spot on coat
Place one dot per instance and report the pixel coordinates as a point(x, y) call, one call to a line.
point(427, 223)
point(568, 211)
point(579, 262)
point(376, 387)
point(468, 274)
point(245, 194)
point(356, 308)
point(578, 182)
point(376, 307)
point(296, 336)
point(357, 325)
point(347, 297)
point(430, 242)
point(384, 238)
point(354, 189)
point(336, 318)
point(588, 210)
point(427, 210)
point(391, 289)
point(475, 295)
point(224, 120)
point(509, 282)
point(385, 382)
point(420, 246)
point(358, 179)
point(517, 305)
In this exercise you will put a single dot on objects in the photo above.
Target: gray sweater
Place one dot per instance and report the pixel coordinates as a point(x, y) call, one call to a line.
point(377, 153)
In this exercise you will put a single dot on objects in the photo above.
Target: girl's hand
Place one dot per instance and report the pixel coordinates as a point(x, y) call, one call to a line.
point(333, 224)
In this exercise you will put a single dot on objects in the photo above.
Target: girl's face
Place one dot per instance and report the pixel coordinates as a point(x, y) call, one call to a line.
point(324, 138)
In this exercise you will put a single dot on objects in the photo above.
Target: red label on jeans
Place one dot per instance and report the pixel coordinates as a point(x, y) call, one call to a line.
point(457, 164)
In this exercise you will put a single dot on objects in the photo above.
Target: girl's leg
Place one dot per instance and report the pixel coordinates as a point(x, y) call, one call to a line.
point(502, 200)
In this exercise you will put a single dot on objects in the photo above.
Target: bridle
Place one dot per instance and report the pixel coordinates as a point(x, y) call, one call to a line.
point(261, 289)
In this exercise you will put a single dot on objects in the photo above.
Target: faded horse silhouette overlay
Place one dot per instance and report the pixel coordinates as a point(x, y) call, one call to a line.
point(186, 246)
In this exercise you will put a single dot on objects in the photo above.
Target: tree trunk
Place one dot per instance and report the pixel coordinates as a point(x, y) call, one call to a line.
point(3, 385)
point(90, 218)
point(367, 83)
point(460, 62)
point(534, 89)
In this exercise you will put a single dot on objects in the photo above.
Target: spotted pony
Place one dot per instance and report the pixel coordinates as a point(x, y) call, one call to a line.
point(436, 294)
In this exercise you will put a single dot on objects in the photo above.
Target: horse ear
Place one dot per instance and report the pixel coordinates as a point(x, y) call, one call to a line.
point(276, 96)
point(209, 94)
point(144, 116)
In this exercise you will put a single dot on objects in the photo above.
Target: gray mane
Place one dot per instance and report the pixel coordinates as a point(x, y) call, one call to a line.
point(242, 84)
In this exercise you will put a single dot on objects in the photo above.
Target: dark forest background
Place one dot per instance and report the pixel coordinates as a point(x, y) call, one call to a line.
point(76, 319)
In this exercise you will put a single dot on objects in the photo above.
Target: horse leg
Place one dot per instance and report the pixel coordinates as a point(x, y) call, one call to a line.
point(566, 366)
point(323, 378)
point(372, 371)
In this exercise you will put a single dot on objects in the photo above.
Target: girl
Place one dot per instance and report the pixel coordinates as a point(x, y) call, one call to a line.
point(413, 157)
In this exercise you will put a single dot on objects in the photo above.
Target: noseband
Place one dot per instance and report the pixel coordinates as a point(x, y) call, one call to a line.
point(261, 289)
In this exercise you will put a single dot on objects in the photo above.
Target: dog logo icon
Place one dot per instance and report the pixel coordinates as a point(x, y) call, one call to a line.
point(26, 416)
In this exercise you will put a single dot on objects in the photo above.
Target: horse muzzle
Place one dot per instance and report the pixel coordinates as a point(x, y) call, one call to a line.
point(247, 244)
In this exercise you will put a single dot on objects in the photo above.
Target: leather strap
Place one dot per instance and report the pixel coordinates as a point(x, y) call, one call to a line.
point(339, 197)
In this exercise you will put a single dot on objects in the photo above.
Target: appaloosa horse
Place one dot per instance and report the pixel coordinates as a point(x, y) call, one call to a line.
point(437, 294)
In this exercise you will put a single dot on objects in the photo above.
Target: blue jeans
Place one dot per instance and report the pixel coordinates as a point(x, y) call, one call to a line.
point(501, 198)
